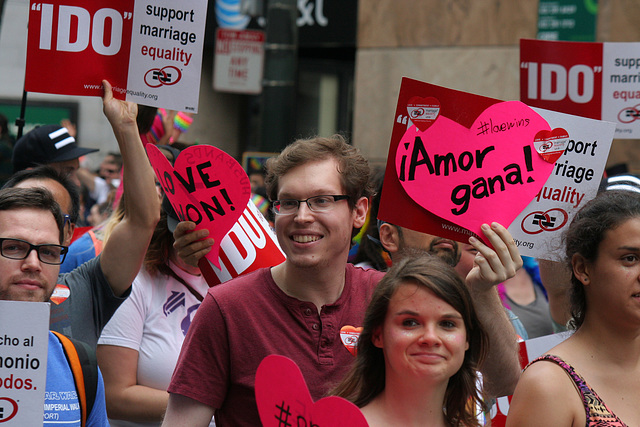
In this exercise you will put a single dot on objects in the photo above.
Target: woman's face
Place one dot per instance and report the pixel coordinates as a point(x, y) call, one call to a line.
point(613, 279)
point(422, 336)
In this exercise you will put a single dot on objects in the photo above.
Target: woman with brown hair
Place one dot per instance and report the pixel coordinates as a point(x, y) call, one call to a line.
point(139, 347)
point(419, 350)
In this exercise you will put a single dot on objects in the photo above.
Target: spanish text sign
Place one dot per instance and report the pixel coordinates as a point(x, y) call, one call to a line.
point(472, 170)
point(595, 80)
point(149, 50)
point(24, 332)
point(457, 160)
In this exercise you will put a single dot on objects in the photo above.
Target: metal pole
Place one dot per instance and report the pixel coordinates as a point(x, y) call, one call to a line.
point(280, 71)
point(20, 121)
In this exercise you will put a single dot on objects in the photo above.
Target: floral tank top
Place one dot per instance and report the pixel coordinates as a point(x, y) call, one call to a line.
point(598, 415)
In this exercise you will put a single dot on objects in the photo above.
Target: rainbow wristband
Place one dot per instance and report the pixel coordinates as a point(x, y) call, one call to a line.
point(182, 122)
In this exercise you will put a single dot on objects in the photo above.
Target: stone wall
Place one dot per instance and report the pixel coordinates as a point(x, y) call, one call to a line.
point(462, 44)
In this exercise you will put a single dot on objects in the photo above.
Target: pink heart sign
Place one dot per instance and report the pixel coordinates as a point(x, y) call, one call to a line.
point(206, 186)
point(283, 399)
point(486, 173)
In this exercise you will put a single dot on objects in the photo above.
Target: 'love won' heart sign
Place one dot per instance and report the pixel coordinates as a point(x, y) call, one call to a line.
point(283, 399)
point(206, 186)
point(489, 172)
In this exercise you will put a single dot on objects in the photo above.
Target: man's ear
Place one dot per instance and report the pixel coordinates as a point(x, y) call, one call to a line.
point(361, 208)
point(389, 237)
point(68, 233)
point(376, 337)
point(580, 268)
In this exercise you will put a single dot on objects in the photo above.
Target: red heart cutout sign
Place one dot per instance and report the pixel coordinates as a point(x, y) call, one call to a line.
point(551, 144)
point(349, 336)
point(423, 111)
point(477, 175)
point(283, 399)
point(206, 186)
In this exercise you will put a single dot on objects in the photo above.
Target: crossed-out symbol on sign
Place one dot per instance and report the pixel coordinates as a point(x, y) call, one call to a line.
point(13, 411)
point(629, 114)
point(538, 221)
point(417, 113)
point(166, 76)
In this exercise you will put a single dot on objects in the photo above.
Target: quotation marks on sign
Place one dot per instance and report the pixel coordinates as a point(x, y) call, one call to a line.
point(596, 69)
point(38, 7)
point(76, 28)
point(553, 82)
point(166, 76)
point(538, 221)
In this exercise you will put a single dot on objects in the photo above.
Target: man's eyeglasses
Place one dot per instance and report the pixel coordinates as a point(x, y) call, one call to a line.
point(315, 204)
point(67, 219)
point(20, 249)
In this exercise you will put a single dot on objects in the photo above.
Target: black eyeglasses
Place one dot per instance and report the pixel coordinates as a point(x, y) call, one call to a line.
point(67, 219)
point(20, 249)
point(315, 204)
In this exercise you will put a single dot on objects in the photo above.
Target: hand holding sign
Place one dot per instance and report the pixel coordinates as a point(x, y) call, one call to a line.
point(283, 399)
point(206, 186)
point(489, 172)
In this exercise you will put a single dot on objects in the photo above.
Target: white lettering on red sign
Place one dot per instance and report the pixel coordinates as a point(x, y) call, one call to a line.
point(88, 29)
point(552, 82)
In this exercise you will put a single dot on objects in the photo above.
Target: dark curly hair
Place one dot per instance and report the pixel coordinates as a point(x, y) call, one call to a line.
point(585, 233)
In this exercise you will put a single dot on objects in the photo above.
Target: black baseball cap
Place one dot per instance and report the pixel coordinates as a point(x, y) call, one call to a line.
point(44, 145)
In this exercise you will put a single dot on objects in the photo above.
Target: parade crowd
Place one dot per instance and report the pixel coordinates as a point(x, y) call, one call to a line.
point(439, 321)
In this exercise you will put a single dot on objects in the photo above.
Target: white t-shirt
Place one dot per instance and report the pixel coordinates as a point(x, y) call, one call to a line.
point(153, 321)
point(101, 190)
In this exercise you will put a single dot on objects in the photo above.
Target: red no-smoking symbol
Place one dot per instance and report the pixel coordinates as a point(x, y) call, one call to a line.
point(166, 76)
point(538, 221)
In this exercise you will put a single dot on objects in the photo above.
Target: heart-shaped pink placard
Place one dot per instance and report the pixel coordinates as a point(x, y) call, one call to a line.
point(283, 399)
point(551, 144)
point(487, 173)
point(206, 186)
point(423, 111)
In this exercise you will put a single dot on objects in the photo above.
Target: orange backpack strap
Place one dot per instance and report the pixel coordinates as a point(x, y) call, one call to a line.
point(78, 375)
point(97, 243)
